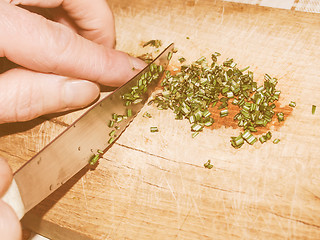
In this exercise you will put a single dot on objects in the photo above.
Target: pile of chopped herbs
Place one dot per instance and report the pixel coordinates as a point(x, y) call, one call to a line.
point(196, 89)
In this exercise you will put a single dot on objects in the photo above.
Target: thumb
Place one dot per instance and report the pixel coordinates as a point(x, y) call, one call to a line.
point(5, 176)
point(9, 223)
point(10, 228)
point(25, 94)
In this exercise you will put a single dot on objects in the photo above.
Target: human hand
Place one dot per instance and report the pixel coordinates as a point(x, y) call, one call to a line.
point(10, 228)
point(61, 59)
point(60, 63)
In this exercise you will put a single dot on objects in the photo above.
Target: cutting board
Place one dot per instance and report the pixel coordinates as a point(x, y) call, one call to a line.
point(154, 185)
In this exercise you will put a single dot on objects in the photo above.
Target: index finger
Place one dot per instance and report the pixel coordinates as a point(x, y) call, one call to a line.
point(36, 43)
point(94, 17)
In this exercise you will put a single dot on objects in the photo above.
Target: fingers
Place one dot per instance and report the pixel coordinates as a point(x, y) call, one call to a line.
point(94, 18)
point(10, 227)
point(42, 45)
point(5, 176)
point(25, 94)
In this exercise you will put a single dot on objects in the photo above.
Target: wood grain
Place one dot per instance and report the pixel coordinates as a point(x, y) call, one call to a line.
point(154, 186)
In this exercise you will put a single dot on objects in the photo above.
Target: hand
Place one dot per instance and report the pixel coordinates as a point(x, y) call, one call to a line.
point(10, 228)
point(61, 59)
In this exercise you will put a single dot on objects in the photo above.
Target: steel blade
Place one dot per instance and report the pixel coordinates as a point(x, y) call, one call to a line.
point(71, 151)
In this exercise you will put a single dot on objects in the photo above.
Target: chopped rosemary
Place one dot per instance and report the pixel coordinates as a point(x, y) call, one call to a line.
point(208, 164)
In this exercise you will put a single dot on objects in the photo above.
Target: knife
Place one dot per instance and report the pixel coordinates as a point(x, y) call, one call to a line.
point(72, 150)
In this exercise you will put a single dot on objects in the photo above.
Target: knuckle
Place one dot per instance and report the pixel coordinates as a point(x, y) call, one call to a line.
point(24, 106)
point(61, 41)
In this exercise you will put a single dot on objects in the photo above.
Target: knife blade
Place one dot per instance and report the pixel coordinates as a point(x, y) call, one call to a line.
point(72, 150)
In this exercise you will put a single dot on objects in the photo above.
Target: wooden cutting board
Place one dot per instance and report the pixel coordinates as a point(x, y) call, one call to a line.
point(154, 185)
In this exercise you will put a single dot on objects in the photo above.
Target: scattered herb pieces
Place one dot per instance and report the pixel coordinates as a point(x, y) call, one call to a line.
point(237, 142)
point(247, 135)
point(292, 104)
point(135, 96)
point(262, 139)
point(276, 141)
point(153, 43)
point(129, 112)
point(169, 56)
point(111, 140)
point(208, 164)
point(195, 134)
point(147, 57)
point(280, 116)
point(147, 115)
point(111, 123)
point(112, 133)
point(154, 129)
point(182, 59)
point(94, 159)
point(313, 110)
point(265, 137)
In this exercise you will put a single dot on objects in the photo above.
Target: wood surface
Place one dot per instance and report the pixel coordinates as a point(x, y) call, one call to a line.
point(154, 185)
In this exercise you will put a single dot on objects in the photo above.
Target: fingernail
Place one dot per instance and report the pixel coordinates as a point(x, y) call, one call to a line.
point(137, 63)
point(79, 93)
point(15, 2)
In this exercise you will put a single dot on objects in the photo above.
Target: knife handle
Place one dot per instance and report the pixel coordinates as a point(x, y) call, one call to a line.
point(13, 198)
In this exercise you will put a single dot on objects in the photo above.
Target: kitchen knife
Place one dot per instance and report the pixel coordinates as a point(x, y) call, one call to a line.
point(72, 150)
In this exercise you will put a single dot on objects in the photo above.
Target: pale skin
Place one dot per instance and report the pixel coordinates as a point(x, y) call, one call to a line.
point(62, 58)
